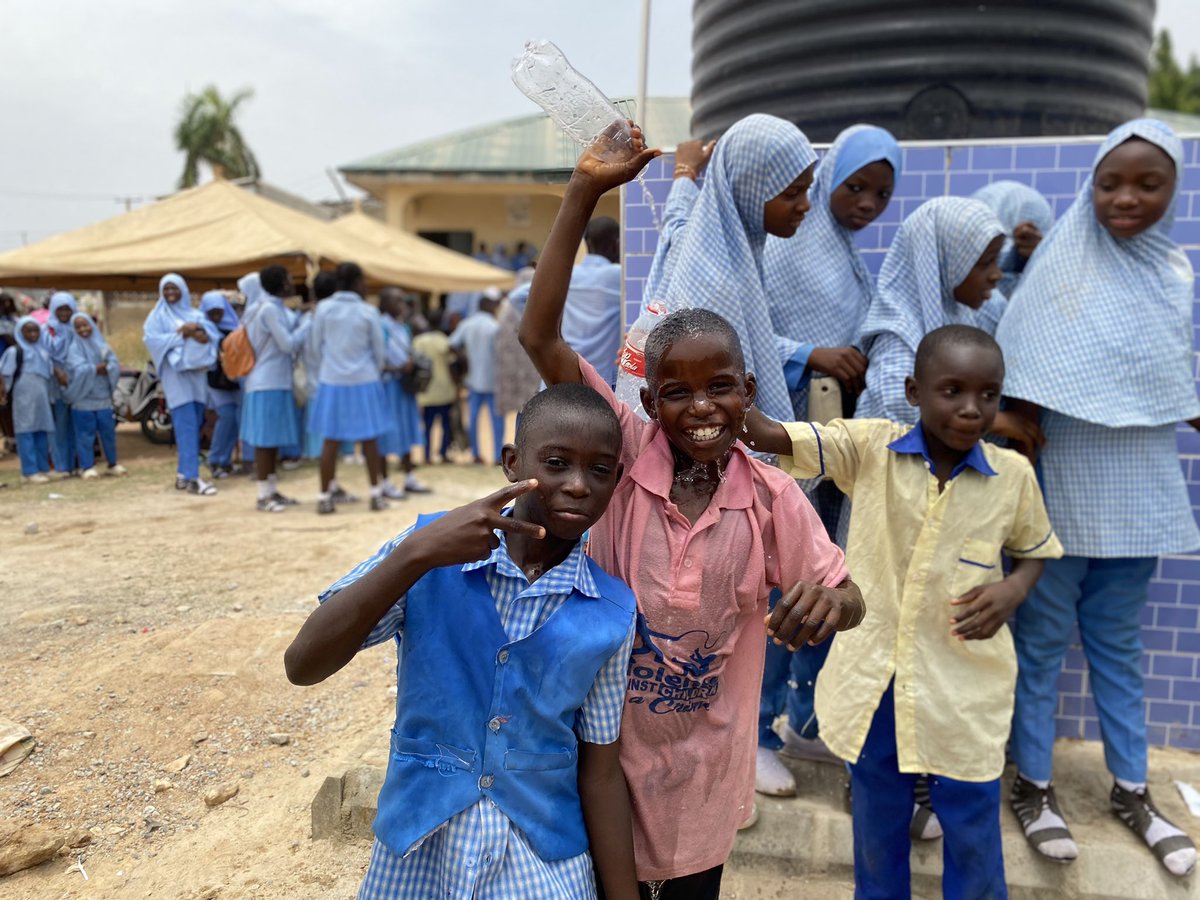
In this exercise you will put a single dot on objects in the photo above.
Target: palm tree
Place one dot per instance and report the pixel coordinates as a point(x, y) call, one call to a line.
point(207, 133)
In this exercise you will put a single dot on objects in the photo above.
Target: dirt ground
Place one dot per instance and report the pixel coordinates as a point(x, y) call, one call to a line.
point(143, 625)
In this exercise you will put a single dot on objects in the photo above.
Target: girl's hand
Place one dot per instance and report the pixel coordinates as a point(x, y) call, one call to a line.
point(691, 158)
point(612, 160)
point(101, 368)
point(60, 376)
point(1024, 432)
point(1026, 237)
point(846, 364)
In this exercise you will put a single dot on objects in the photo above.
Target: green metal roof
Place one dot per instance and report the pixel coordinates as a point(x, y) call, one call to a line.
point(533, 145)
point(530, 144)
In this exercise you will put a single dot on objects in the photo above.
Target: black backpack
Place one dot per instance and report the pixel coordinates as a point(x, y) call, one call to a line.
point(217, 379)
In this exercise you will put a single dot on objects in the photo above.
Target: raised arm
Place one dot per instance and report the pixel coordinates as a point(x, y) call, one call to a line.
point(540, 332)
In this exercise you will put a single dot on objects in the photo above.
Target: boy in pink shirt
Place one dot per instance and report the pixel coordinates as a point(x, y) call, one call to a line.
point(702, 533)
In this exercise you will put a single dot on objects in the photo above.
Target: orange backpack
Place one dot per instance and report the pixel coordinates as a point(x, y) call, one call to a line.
point(237, 353)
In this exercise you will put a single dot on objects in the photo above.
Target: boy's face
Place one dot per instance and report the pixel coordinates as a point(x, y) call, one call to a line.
point(976, 288)
point(63, 313)
point(83, 328)
point(31, 332)
point(783, 213)
point(577, 465)
point(700, 396)
point(1132, 188)
point(958, 392)
point(861, 199)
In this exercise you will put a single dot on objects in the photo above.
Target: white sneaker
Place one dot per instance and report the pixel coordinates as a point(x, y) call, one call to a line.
point(771, 776)
point(392, 492)
point(117, 469)
point(56, 475)
point(751, 820)
point(91, 473)
point(36, 478)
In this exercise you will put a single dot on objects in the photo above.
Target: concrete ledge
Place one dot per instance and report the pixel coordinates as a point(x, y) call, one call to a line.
point(344, 807)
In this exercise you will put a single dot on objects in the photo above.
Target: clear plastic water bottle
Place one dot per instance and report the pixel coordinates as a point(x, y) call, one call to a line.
point(631, 361)
point(576, 105)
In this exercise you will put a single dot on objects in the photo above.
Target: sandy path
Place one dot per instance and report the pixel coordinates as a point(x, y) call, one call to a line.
point(141, 625)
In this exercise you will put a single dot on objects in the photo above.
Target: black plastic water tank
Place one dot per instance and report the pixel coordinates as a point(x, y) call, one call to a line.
point(921, 68)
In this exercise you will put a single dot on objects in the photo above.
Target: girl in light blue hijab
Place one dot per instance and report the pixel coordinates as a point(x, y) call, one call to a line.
point(757, 183)
point(224, 394)
point(1027, 218)
point(27, 372)
point(60, 337)
point(1099, 348)
point(94, 370)
point(183, 346)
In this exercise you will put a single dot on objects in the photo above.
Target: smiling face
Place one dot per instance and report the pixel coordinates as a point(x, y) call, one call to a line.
point(576, 460)
point(31, 332)
point(976, 288)
point(958, 392)
point(700, 395)
point(861, 199)
point(171, 292)
point(83, 328)
point(1132, 188)
point(783, 214)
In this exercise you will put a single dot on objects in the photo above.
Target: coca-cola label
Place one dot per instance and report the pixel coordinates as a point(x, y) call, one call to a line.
point(632, 361)
point(656, 307)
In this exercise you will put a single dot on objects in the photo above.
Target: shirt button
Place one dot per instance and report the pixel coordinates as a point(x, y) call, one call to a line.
point(486, 782)
point(502, 657)
point(487, 859)
point(688, 562)
point(494, 724)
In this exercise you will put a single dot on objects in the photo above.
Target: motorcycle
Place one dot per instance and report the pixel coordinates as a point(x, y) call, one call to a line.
point(139, 398)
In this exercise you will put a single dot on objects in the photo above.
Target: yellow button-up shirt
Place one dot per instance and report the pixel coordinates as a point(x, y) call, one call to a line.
point(913, 549)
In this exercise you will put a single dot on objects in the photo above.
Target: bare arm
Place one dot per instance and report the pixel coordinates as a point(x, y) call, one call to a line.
point(540, 332)
point(605, 800)
point(766, 435)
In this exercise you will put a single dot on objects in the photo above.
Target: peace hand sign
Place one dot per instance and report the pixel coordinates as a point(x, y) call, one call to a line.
point(467, 534)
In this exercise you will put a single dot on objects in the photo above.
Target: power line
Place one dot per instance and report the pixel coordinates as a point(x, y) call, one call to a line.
point(55, 195)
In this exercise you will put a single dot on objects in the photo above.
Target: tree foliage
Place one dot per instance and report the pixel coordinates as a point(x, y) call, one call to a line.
point(207, 132)
point(1171, 86)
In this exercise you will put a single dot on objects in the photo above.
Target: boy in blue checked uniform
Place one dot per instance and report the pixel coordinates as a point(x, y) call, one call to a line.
point(511, 676)
point(925, 683)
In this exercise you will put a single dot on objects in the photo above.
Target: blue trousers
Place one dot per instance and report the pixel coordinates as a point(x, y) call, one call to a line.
point(33, 448)
point(188, 419)
point(474, 401)
point(1105, 597)
point(225, 435)
point(64, 437)
point(789, 678)
point(88, 423)
point(972, 854)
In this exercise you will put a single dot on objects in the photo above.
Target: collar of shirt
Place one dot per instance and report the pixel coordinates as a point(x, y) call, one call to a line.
point(654, 470)
point(595, 261)
point(914, 442)
point(570, 574)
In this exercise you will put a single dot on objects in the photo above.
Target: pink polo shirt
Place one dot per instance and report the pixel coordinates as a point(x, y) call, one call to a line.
point(690, 724)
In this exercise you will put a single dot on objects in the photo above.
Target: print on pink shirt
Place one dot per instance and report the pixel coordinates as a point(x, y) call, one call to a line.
point(653, 682)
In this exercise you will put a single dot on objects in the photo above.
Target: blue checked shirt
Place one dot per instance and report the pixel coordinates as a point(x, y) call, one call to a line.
point(479, 853)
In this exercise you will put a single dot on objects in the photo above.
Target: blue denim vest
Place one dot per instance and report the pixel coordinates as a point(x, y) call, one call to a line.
point(478, 716)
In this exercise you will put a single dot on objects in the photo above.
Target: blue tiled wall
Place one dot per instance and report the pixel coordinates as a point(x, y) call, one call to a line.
point(1170, 626)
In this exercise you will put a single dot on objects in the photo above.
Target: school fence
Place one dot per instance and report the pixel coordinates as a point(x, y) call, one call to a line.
point(1057, 167)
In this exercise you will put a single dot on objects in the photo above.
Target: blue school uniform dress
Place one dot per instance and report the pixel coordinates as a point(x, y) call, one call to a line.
point(60, 338)
point(268, 406)
point(1099, 335)
point(718, 261)
point(481, 799)
point(405, 432)
point(226, 402)
point(29, 394)
point(1015, 204)
point(182, 365)
point(90, 395)
point(351, 404)
point(818, 292)
point(934, 250)
point(478, 335)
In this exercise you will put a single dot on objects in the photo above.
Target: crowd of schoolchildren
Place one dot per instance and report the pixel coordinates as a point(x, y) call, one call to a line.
point(840, 494)
point(586, 702)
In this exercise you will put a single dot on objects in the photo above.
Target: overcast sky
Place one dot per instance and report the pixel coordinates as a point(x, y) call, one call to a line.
point(89, 92)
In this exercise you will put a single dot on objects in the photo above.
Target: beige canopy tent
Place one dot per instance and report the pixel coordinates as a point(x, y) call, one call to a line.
point(214, 234)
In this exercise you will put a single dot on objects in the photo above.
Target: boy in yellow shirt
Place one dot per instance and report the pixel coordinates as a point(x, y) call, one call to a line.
point(925, 683)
